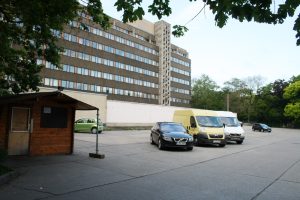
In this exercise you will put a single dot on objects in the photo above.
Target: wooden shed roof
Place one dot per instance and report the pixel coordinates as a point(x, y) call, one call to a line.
point(57, 95)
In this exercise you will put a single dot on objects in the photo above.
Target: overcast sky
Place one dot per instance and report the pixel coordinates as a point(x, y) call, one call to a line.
point(238, 50)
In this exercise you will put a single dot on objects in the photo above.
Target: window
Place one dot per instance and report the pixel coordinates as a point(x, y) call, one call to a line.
point(20, 119)
point(54, 117)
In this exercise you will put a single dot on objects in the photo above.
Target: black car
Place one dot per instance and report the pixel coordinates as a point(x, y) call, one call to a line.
point(170, 134)
point(261, 127)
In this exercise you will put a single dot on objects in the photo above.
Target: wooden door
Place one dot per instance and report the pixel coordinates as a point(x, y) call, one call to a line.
point(18, 140)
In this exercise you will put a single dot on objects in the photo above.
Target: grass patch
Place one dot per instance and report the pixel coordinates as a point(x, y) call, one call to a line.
point(4, 170)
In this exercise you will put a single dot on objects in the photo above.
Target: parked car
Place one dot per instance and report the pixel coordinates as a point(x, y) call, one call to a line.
point(261, 127)
point(170, 134)
point(88, 125)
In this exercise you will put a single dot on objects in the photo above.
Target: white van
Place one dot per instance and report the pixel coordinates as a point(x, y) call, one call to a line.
point(232, 128)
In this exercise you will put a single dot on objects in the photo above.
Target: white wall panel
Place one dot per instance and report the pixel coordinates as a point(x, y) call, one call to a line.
point(121, 113)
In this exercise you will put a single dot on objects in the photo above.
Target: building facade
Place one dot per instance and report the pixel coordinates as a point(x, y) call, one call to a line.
point(129, 62)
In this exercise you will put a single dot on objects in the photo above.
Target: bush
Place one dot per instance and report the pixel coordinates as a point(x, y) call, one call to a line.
point(3, 154)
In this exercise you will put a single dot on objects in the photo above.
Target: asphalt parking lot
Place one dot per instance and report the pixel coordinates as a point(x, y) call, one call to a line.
point(265, 166)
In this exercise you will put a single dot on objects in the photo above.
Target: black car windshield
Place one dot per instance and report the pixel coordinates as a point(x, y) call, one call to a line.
point(230, 121)
point(264, 125)
point(172, 128)
point(209, 121)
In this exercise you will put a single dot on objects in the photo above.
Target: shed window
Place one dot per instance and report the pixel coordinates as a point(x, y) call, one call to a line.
point(20, 120)
point(54, 117)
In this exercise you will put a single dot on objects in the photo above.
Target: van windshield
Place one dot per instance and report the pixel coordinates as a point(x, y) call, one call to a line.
point(209, 121)
point(230, 121)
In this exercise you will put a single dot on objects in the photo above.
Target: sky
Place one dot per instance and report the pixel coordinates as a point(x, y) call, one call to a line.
point(238, 50)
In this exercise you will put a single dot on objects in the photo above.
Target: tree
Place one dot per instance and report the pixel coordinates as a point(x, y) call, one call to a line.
point(292, 94)
point(205, 94)
point(261, 11)
point(269, 104)
point(27, 28)
point(253, 83)
point(239, 96)
point(27, 33)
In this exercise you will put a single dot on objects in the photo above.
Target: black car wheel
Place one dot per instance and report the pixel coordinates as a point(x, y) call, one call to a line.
point(189, 148)
point(222, 145)
point(160, 144)
point(151, 139)
point(94, 130)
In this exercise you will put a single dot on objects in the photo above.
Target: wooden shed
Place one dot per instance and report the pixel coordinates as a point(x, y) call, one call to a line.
point(39, 123)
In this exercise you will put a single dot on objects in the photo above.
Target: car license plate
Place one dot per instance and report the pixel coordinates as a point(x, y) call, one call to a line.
point(181, 143)
point(216, 141)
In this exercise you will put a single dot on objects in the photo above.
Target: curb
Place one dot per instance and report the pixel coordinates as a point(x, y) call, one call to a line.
point(8, 177)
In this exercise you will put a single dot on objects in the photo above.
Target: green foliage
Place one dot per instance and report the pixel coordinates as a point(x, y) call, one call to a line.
point(261, 11)
point(179, 30)
point(130, 13)
point(269, 104)
point(94, 8)
point(160, 8)
point(26, 34)
point(292, 110)
point(205, 94)
point(277, 103)
point(292, 94)
point(26, 29)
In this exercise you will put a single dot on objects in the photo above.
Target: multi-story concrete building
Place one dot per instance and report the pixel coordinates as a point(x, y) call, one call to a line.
point(129, 62)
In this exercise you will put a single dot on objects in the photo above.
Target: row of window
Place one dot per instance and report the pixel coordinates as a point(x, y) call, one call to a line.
point(114, 27)
point(97, 74)
point(95, 45)
point(180, 71)
point(178, 53)
point(111, 63)
point(92, 44)
point(179, 90)
point(178, 80)
point(96, 88)
point(125, 41)
point(129, 33)
point(110, 36)
point(176, 100)
point(98, 60)
point(181, 62)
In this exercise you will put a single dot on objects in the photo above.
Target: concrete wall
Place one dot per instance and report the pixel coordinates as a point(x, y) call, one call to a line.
point(97, 100)
point(144, 25)
point(137, 114)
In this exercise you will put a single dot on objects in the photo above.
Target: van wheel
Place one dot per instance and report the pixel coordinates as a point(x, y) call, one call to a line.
point(240, 142)
point(94, 130)
point(196, 141)
point(222, 145)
